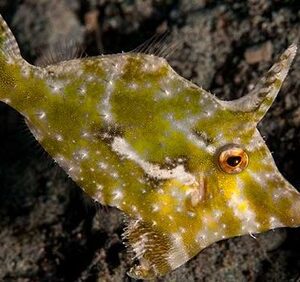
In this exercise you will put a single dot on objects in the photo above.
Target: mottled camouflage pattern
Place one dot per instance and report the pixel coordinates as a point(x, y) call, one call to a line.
point(136, 135)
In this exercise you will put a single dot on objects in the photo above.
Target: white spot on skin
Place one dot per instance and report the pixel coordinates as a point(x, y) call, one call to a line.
point(103, 165)
point(160, 191)
point(82, 90)
point(182, 230)
point(140, 180)
point(117, 195)
point(179, 209)
point(81, 154)
point(56, 86)
point(59, 138)
point(155, 208)
point(167, 92)
point(205, 220)
point(86, 135)
point(99, 187)
point(114, 175)
point(91, 78)
point(120, 146)
point(217, 214)
point(201, 239)
point(191, 214)
point(133, 85)
point(134, 209)
point(208, 114)
point(41, 115)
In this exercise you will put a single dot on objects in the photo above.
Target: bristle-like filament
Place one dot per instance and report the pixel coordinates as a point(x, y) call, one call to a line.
point(149, 246)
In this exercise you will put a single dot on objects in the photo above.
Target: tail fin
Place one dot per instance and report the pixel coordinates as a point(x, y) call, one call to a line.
point(13, 68)
point(9, 49)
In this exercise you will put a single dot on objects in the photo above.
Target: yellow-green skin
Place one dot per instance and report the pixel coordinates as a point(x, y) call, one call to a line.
point(135, 135)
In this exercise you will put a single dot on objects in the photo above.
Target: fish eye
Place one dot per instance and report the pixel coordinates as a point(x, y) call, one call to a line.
point(232, 159)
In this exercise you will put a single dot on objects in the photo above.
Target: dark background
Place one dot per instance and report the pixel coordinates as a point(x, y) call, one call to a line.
point(51, 231)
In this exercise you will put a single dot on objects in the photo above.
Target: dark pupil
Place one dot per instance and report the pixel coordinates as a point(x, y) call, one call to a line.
point(234, 160)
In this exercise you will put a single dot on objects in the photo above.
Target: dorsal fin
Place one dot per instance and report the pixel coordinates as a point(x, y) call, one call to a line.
point(260, 99)
point(60, 52)
point(159, 45)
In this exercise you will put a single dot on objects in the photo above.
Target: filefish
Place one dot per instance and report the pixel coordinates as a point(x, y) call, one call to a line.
point(187, 168)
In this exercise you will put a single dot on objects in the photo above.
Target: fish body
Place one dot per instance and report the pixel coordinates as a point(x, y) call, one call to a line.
point(185, 167)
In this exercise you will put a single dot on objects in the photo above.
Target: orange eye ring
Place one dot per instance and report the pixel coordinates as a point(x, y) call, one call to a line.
point(232, 159)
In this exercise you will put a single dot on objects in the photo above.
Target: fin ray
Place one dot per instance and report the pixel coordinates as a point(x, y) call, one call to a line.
point(158, 45)
point(8, 44)
point(150, 247)
point(60, 52)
